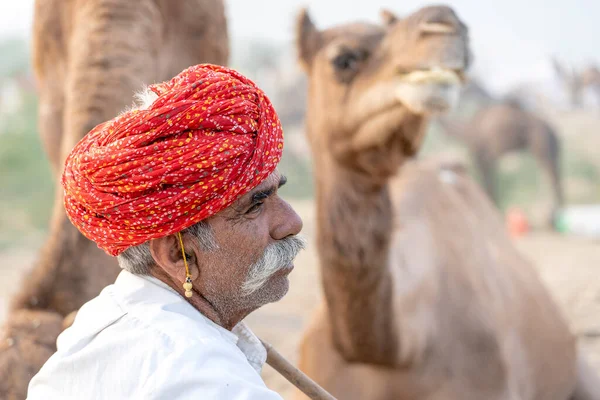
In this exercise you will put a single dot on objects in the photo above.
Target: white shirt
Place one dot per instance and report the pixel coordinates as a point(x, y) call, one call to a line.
point(139, 339)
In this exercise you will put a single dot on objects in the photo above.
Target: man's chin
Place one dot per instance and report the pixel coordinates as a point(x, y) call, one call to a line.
point(274, 289)
point(277, 287)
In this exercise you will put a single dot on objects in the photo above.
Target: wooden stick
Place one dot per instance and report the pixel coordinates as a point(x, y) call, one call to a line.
point(295, 376)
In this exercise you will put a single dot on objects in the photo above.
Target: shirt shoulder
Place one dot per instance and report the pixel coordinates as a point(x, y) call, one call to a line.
point(130, 349)
point(210, 371)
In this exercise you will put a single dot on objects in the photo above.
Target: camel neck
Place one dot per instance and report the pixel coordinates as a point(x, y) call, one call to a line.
point(354, 232)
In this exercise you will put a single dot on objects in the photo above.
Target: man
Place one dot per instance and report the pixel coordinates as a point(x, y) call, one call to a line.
point(184, 192)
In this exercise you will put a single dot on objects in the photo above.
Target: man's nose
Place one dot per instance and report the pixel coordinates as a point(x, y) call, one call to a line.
point(289, 222)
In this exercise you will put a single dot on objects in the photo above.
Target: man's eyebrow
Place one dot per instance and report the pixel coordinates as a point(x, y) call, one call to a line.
point(241, 204)
point(263, 194)
point(282, 180)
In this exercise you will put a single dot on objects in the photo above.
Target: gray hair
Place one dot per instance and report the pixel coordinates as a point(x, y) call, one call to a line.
point(138, 259)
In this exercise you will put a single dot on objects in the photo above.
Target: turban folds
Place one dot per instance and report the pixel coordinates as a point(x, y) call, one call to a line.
point(211, 136)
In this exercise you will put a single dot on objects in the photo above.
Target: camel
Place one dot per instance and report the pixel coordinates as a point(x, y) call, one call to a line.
point(474, 90)
point(501, 128)
point(425, 296)
point(575, 82)
point(89, 58)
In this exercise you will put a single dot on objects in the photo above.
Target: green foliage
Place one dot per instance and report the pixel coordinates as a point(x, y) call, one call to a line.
point(299, 174)
point(15, 57)
point(26, 193)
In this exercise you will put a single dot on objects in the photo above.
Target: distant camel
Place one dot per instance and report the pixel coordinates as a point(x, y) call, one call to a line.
point(575, 81)
point(89, 57)
point(497, 129)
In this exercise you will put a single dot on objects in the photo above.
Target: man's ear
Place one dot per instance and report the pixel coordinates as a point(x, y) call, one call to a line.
point(308, 39)
point(168, 256)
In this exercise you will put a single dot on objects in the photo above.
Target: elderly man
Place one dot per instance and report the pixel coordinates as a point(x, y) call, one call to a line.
point(184, 192)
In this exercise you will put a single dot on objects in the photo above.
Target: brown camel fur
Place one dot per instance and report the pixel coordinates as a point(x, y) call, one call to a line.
point(89, 58)
point(498, 129)
point(425, 296)
point(575, 82)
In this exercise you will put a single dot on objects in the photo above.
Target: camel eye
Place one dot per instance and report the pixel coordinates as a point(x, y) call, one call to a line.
point(347, 61)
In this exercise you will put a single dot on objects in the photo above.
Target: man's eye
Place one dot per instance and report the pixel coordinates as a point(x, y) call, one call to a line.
point(255, 207)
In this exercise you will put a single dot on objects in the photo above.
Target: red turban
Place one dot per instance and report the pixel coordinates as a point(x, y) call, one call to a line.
point(211, 136)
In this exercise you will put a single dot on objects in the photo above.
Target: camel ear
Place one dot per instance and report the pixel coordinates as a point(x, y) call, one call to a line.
point(388, 17)
point(308, 39)
point(558, 68)
point(563, 72)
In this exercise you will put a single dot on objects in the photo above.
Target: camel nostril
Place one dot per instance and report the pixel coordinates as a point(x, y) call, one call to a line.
point(440, 20)
point(438, 27)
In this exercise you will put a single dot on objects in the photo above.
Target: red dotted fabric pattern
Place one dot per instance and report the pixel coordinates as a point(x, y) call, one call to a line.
point(210, 137)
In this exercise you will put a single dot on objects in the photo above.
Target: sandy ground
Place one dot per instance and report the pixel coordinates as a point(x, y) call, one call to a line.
point(569, 267)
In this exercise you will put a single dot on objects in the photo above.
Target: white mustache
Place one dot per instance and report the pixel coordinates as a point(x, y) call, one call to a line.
point(277, 256)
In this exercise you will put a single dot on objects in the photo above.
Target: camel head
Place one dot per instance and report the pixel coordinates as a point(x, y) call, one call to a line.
point(590, 77)
point(575, 82)
point(571, 80)
point(373, 87)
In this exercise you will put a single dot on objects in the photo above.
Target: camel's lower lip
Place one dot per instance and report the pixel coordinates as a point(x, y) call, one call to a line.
point(434, 75)
point(429, 92)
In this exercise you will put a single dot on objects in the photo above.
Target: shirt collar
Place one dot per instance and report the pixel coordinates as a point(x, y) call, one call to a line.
point(240, 335)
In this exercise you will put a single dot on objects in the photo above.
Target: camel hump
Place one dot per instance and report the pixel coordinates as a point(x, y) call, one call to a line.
point(446, 168)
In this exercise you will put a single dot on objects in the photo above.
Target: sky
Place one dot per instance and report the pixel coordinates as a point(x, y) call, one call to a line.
point(512, 40)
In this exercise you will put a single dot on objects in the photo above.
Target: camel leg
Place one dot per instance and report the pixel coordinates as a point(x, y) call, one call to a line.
point(485, 164)
point(553, 171)
point(588, 383)
point(548, 157)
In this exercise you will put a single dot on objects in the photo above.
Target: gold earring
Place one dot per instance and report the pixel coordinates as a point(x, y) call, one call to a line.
point(187, 285)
